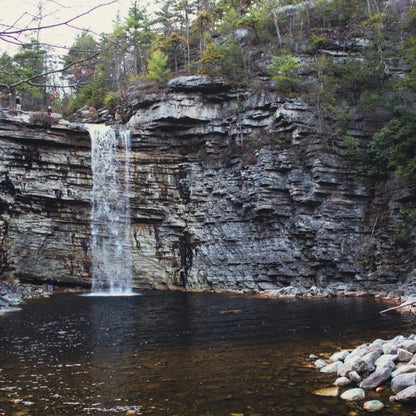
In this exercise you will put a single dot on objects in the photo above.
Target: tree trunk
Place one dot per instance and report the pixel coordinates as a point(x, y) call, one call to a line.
point(276, 25)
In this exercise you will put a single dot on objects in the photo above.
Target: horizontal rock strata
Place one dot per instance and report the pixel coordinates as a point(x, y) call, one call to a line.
point(230, 189)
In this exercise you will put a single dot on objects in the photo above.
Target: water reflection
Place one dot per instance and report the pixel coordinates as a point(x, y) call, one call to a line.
point(180, 353)
point(111, 345)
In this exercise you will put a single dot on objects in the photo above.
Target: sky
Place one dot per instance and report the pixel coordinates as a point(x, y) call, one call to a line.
point(23, 13)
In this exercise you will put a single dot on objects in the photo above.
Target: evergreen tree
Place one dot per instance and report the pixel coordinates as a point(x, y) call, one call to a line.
point(81, 61)
point(172, 46)
point(85, 72)
point(283, 71)
point(138, 38)
point(166, 20)
point(158, 73)
point(30, 66)
point(8, 76)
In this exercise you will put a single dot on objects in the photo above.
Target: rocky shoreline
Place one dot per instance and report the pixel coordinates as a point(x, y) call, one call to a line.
point(13, 294)
point(376, 366)
point(393, 294)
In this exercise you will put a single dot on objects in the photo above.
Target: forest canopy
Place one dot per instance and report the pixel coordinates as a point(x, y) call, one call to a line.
point(240, 40)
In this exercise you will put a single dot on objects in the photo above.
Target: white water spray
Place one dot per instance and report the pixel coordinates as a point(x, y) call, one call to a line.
point(112, 263)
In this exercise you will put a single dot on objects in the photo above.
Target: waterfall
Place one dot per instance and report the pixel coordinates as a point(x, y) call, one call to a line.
point(112, 262)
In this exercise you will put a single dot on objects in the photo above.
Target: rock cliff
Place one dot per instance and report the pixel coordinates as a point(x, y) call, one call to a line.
point(45, 191)
point(230, 189)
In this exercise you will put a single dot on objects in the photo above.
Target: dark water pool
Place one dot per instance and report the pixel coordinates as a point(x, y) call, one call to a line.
point(183, 354)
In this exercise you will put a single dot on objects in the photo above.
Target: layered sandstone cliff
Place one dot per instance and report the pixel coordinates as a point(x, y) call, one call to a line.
point(230, 189)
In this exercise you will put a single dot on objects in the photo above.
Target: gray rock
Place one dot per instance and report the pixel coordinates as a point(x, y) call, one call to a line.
point(367, 362)
point(378, 377)
point(390, 348)
point(332, 368)
point(359, 351)
point(401, 381)
point(404, 355)
point(198, 83)
point(342, 381)
point(6, 309)
point(353, 394)
point(376, 344)
point(409, 368)
point(413, 360)
point(406, 395)
point(339, 355)
point(13, 298)
point(354, 377)
point(320, 363)
point(409, 345)
point(385, 360)
point(373, 405)
point(352, 362)
point(399, 339)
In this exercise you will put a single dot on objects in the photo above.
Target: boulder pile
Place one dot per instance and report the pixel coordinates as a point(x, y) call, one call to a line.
point(382, 363)
point(12, 294)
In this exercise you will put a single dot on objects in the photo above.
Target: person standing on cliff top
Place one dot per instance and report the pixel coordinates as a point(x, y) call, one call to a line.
point(18, 103)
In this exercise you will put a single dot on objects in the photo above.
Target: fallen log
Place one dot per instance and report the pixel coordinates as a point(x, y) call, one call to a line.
point(403, 305)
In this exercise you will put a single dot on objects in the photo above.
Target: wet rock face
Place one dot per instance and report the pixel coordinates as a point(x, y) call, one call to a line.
point(230, 189)
point(245, 177)
point(45, 184)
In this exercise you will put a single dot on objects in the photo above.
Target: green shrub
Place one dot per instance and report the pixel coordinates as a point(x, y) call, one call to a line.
point(400, 132)
point(403, 233)
point(110, 101)
point(158, 72)
point(319, 41)
point(283, 71)
point(391, 150)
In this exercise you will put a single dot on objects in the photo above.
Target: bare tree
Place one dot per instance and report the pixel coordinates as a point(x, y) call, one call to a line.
point(12, 33)
point(17, 32)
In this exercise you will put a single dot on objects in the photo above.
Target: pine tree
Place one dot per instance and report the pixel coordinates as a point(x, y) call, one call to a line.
point(158, 73)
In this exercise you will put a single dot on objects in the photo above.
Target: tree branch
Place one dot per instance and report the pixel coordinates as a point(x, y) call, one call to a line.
point(11, 31)
point(50, 72)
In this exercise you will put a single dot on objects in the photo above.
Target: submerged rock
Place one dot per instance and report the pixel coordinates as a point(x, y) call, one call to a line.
point(327, 392)
point(353, 394)
point(373, 405)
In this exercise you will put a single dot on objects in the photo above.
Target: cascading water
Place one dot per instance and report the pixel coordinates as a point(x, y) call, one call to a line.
point(112, 263)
